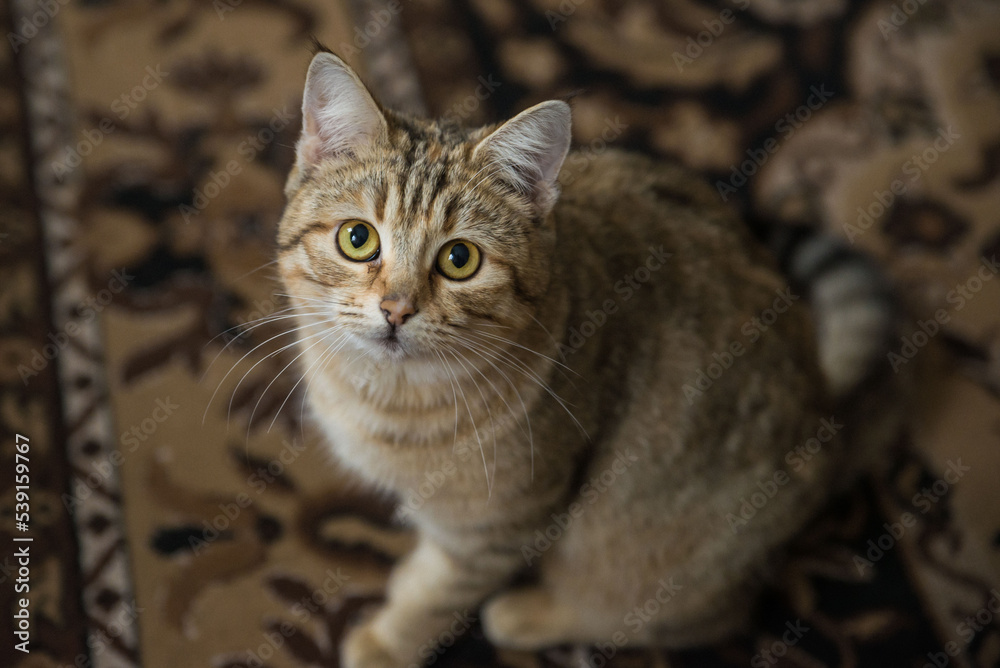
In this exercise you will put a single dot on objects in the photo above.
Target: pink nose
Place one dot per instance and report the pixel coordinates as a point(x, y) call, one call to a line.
point(397, 310)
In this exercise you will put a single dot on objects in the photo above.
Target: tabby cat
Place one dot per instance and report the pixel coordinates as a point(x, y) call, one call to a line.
point(575, 378)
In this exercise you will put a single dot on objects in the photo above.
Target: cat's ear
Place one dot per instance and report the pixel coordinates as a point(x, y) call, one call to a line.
point(529, 150)
point(339, 115)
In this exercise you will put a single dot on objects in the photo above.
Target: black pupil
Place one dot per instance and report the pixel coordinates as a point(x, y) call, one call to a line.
point(359, 236)
point(459, 255)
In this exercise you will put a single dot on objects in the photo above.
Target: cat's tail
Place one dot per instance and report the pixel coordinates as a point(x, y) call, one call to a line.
point(858, 318)
point(854, 308)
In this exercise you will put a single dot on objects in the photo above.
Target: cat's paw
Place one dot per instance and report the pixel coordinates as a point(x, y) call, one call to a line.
point(362, 648)
point(522, 620)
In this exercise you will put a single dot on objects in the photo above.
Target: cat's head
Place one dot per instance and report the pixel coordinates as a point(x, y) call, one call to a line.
point(405, 233)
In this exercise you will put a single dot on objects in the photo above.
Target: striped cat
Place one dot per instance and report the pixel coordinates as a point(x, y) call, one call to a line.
point(587, 392)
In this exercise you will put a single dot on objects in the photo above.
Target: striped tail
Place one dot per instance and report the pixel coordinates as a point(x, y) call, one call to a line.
point(854, 308)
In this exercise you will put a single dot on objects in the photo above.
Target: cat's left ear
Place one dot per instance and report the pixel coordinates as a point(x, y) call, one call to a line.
point(339, 115)
point(529, 150)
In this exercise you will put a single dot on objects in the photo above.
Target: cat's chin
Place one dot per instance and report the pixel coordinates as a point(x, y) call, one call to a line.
point(393, 348)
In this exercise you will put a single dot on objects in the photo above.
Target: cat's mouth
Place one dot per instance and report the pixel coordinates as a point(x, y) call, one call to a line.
point(390, 342)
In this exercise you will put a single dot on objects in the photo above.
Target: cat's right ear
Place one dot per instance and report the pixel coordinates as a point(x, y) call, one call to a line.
point(339, 115)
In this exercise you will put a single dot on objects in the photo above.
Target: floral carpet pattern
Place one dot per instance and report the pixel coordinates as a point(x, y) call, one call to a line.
point(182, 512)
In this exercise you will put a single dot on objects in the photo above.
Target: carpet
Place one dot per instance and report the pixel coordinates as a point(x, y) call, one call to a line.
point(181, 511)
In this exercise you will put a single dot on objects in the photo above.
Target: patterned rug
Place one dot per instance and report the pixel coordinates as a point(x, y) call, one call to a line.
point(180, 511)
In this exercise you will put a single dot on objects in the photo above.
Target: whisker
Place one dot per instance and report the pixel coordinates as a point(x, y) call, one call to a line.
point(254, 271)
point(262, 322)
point(489, 411)
point(324, 300)
point(482, 351)
point(531, 374)
point(323, 361)
point(475, 429)
point(265, 318)
point(323, 336)
point(454, 444)
point(507, 341)
point(219, 386)
point(273, 354)
point(339, 339)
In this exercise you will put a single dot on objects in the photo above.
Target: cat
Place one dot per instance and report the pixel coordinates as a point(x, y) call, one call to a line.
point(579, 377)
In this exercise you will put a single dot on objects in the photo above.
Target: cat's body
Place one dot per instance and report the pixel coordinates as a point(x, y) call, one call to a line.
point(622, 373)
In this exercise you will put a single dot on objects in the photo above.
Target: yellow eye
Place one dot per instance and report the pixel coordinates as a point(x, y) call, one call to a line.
point(458, 259)
point(358, 240)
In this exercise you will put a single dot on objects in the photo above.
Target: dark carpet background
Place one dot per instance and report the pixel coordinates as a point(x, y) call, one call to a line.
point(181, 511)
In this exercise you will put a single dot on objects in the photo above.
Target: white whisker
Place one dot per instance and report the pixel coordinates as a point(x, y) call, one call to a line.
point(475, 430)
point(480, 350)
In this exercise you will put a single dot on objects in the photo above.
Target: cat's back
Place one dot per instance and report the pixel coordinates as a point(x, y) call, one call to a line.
point(602, 178)
point(687, 253)
point(700, 321)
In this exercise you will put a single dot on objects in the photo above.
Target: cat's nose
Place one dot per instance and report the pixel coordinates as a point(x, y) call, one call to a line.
point(396, 311)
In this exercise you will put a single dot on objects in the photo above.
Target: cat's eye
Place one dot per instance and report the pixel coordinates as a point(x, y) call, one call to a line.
point(358, 240)
point(458, 259)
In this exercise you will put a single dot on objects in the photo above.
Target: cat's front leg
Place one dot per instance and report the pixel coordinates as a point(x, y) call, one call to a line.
point(431, 594)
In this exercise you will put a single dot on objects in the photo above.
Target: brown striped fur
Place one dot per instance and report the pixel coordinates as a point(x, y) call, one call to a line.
point(485, 404)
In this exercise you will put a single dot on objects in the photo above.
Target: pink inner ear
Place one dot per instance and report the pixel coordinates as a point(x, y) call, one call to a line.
point(310, 149)
point(339, 115)
point(532, 147)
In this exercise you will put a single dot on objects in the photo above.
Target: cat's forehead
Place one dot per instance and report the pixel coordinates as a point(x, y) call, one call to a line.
point(424, 173)
point(444, 132)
